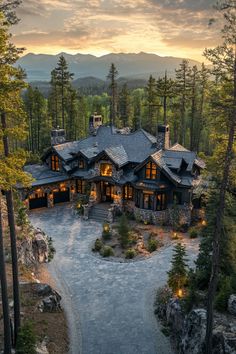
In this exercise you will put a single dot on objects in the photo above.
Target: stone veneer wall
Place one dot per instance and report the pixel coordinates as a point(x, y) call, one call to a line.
point(160, 217)
point(116, 174)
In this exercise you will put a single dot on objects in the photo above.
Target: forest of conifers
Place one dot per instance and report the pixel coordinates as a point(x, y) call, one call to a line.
point(186, 103)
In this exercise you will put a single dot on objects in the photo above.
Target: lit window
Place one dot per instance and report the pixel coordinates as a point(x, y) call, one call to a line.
point(55, 163)
point(148, 201)
point(106, 169)
point(81, 186)
point(128, 192)
point(81, 163)
point(161, 201)
point(151, 171)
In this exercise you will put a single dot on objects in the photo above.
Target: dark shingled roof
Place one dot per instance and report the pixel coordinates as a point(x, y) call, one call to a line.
point(136, 148)
point(133, 147)
point(43, 175)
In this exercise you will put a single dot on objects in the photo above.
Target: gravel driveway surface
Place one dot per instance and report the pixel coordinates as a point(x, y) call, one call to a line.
point(109, 305)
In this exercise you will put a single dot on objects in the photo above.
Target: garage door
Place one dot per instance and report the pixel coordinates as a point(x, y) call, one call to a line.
point(38, 202)
point(61, 196)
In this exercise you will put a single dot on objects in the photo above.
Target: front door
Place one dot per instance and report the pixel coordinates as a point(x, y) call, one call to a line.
point(106, 192)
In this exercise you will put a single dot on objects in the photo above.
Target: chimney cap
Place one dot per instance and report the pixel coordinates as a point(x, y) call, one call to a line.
point(162, 128)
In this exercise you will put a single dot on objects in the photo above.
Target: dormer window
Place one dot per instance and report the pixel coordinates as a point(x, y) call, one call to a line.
point(106, 169)
point(151, 170)
point(81, 164)
point(55, 163)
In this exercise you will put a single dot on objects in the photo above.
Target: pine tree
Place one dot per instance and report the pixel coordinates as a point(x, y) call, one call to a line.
point(123, 229)
point(203, 87)
point(112, 75)
point(151, 104)
point(124, 106)
point(193, 78)
point(177, 276)
point(182, 87)
point(63, 78)
point(223, 59)
point(12, 127)
point(165, 90)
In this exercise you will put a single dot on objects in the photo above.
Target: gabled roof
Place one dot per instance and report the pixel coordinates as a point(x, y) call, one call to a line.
point(118, 155)
point(137, 146)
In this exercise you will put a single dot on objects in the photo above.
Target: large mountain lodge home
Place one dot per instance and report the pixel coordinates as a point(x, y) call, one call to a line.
point(137, 172)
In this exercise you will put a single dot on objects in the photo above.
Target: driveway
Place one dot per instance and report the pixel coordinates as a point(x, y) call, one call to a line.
point(109, 304)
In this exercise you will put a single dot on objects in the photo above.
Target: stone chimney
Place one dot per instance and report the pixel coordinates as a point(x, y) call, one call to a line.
point(95, 121)
point(58, 136)
point(163, 137)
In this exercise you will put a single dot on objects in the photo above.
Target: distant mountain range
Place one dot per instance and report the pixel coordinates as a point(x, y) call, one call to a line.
point(130, 66)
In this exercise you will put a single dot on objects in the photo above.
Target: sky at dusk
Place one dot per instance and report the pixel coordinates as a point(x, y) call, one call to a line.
point(165, 27)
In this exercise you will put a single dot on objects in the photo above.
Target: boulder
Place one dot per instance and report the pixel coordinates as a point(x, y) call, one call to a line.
point(43, 290)
point(40, 247)
point(232, 304)
point(51, 303)
point(194, 330)
point(175, 315)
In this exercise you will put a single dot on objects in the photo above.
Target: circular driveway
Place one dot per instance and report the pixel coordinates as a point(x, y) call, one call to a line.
point(109, 304)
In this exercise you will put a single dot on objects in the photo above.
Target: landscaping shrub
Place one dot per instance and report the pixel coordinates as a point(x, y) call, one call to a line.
point(52, 249)
point(163, 296)
point(98, 245)
point(225, 290)
point(130, 253)
point(107, 251)
point(123, 229)
point(22, 218)
point(152, 245)
point(26, 340)
point(193, 233)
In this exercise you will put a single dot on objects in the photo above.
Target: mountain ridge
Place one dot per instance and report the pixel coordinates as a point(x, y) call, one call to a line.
point(38, 67)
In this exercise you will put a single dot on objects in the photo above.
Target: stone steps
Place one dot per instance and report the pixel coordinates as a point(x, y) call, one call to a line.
point(98, 213)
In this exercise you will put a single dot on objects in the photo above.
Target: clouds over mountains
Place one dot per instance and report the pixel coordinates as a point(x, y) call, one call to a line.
point(174, 27)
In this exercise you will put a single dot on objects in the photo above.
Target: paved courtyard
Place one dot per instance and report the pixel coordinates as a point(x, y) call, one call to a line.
point(109, 304)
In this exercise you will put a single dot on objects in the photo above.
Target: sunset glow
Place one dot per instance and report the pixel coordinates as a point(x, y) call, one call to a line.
point(167, 28)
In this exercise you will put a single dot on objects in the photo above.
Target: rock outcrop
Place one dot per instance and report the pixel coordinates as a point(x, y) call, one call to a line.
point(188, 330)
point(34, 248)
point(51, 301)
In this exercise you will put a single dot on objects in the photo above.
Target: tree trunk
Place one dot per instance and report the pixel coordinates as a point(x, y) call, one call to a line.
point(5, 305)
point(11, 221)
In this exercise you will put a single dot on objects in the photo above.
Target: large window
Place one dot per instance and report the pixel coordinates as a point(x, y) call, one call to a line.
point(148, 201)
point(55, 163)
point(106, 169)
point(151, 171)
point(128, 192)
point(81, 186)
point(161, 201)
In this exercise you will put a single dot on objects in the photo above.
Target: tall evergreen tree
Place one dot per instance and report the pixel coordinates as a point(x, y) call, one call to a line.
point(223, 59)
point(125, 105)
point(151, 104)
point(112, 75)
point(193, 78)
point(63, 78)
point(165, 90)
point(182, 87)
point(12, 126)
